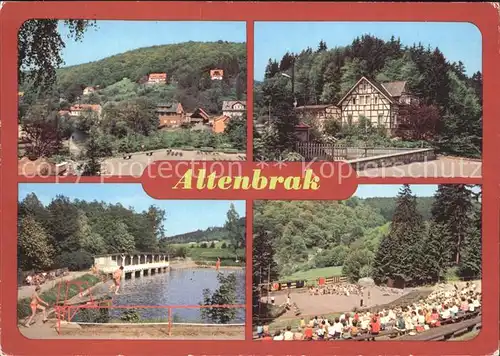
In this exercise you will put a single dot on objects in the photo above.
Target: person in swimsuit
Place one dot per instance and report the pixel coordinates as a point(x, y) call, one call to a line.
point(117, 276)
point(217, 264)
point(35, 304)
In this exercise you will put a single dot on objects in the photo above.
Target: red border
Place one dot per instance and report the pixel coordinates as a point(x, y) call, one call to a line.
point(483, 15)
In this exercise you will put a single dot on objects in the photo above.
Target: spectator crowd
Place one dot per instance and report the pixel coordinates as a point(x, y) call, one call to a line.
point(444, 305)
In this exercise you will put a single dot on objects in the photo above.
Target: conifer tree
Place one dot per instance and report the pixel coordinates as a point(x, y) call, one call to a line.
point(403, 244)
point(452, 209)
point(471, 261)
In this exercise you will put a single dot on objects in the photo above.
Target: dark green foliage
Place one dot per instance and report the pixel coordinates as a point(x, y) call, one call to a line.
point(75, 261)
point(236, 230)
point(130, 316)
point(399, 257)
point(453, 209)
point(386, 206)
point(69, 233)
point(224, 295)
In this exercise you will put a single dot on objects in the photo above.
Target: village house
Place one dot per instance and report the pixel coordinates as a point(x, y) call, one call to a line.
point(81, 109)
point(198, 116)
point(157, 78)
point(216, 74)
point(234, 108)
point(89, 90)
point(220, 123)
point(379, 103)
point(321, 113)
point(170, 115)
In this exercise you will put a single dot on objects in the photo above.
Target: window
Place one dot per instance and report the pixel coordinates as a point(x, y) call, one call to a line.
point(349, 119)
point(368, 100)
point(380, 119)
point(361, 100)
point(375, 100)
point(354, 100)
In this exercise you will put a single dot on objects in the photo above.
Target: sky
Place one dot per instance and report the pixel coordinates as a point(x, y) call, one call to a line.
point(457, 41)
point(392, 190)
point(181, 215)
point(114, 37)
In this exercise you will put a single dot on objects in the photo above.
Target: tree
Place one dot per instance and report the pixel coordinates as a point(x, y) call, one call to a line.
point(437, 252)
point(292, 249)
point(39, 48)
point(88, 240)
point(121, 241)
point(406, 233)
point(63, 224)
point(264, 267)
point(322, 46)
point(356, 262)
point(470, 266)
point(224, 295)
point(236, 233)
point(418, 122)
point(32, 206)
point(452, 209)
point(34, 246)
point(97, 147)
point(236, 130)
point(40, 126)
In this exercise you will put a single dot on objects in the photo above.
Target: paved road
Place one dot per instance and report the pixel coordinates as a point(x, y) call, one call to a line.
point(27, 291)
point(443, 167)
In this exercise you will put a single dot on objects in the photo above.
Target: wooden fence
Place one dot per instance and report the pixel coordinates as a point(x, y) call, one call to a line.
point(322, 151)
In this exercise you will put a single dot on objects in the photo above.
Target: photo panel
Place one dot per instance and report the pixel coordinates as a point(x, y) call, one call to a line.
point(391, 98)
point(109, 97)
point(108, 262)
point(392, 263)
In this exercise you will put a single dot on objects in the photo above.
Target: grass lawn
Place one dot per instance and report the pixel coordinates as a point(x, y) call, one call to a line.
point(50, 296)
point(313, 274)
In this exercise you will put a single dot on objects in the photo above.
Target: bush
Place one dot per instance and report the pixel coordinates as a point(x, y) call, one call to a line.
point(203, 245)
point(224, 245)
point(212, 245)
point(130, 316)
point(75, 261)
point(206, 149)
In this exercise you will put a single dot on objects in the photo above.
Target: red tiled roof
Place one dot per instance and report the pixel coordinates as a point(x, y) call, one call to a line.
point(158, 76)
point(302, 126)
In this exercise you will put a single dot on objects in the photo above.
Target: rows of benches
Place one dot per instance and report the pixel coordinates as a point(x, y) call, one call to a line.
point(449, 325)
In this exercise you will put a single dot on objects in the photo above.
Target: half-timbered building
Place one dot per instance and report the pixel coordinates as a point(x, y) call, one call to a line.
point(379, 103)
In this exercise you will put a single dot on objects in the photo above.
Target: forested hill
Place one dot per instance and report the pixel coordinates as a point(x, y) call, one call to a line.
point(386, 206)
point(210, 234)
point(187, 66)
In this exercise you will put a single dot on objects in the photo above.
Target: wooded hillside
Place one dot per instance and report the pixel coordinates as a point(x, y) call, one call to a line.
point(212, 233)
point(187, 66)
